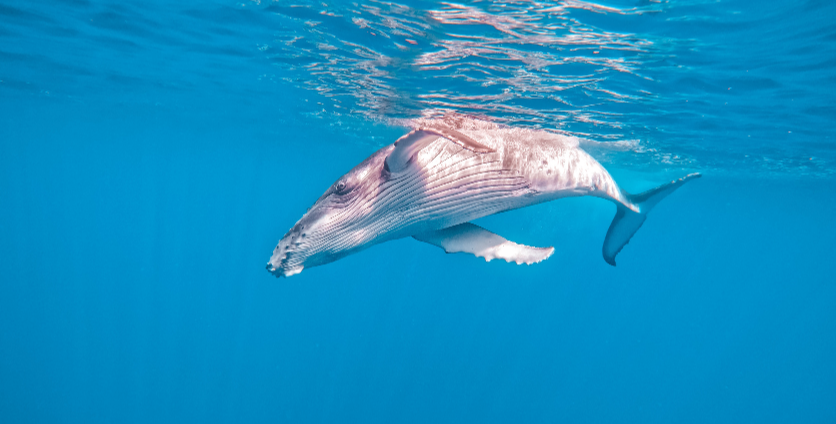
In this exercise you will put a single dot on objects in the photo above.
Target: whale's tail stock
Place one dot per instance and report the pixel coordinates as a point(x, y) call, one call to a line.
point(626, 222)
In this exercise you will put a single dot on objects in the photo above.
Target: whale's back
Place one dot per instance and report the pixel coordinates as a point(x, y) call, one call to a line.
point(552, 164)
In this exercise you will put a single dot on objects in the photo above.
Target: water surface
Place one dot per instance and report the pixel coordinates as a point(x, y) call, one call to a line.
point(152, 153)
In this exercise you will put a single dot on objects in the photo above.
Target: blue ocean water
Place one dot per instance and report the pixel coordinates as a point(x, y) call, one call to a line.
point(152, 154)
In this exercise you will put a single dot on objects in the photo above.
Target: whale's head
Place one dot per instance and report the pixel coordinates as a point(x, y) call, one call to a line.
point(341, 222)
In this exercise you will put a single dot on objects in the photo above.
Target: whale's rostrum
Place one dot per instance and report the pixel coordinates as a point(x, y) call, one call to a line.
point(447, 172)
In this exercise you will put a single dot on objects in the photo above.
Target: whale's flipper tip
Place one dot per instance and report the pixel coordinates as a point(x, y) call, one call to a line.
point(626, 222)
point(473, 239)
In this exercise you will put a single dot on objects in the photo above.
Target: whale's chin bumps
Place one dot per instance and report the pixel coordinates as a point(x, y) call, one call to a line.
point(284, 272)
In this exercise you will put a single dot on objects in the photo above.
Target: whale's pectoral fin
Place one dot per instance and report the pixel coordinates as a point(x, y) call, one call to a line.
point(410, 144)
point(470, 238)
point(626, 222)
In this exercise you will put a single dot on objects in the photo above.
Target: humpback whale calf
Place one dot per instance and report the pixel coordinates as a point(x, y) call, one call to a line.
point(447, 172)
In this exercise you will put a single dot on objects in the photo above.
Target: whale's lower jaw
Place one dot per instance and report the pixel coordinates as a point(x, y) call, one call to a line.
point(283, 272)
point(273, 270)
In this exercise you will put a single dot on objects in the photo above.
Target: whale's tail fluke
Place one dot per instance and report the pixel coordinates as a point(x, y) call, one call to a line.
point(627, 222)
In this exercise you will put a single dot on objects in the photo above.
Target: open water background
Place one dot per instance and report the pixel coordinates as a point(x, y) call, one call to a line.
point(151, 155)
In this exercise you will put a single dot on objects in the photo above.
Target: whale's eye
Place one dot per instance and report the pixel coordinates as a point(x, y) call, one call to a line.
point(341, 187)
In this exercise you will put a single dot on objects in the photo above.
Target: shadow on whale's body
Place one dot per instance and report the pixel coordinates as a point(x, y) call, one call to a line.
point(447, 172)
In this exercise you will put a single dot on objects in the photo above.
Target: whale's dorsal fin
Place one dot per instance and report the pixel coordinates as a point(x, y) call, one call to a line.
point(471, 238)
point(410, 144)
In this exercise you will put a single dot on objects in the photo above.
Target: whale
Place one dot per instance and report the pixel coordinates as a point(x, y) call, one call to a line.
point(446, 172)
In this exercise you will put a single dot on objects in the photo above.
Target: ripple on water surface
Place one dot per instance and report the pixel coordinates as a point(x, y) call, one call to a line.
point(737, 86)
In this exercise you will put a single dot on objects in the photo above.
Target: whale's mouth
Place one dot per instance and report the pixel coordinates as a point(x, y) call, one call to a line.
point(274, 270)
point(282, 271)
point(278, 262)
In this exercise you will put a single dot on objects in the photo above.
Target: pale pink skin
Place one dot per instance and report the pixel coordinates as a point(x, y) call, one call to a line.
point(444, 185)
